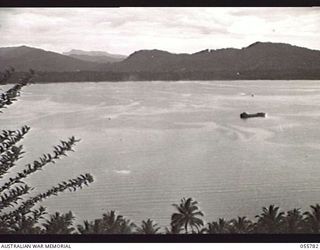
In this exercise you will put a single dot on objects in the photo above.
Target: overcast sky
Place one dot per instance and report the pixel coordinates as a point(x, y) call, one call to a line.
point(125, 30)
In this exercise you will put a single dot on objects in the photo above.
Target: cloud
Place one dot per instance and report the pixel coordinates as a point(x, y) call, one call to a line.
point(123, 172)
point(125, 30)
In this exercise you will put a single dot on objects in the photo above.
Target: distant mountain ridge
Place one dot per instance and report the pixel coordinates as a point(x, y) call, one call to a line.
point(23, 58)
point(93, 53)
point(257, 56)
point(260, 60)
point(95, 56)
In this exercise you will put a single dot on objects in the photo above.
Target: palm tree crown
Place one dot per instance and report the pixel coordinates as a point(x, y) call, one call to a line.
point(187, 216)
point(313, 219)
point(148, 227)
point(270, 220)
point(110, 223)
point(294, 222)
point(59, 224)
point(241, 225)
point(220, 227)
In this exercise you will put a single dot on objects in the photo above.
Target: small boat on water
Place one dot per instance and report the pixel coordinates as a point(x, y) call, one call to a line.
point(245, 115)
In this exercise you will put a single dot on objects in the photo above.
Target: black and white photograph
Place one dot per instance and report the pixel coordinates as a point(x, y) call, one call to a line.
point(161, 120)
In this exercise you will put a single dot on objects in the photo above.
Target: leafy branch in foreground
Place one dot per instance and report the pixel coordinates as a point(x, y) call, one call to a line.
point(71, 185)
point(9, 96)
point(20, 218)
point(8, 138)
point(59, 150)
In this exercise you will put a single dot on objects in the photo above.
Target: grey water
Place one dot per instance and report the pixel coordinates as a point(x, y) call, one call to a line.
point(148, 144)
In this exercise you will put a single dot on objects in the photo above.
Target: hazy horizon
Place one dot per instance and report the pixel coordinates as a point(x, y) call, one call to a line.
point(21, 45)
point(177, 30)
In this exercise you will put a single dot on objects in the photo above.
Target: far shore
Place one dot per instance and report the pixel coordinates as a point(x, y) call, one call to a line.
point(184, 80)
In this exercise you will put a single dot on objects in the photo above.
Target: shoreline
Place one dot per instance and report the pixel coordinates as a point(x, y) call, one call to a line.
point(176, 81)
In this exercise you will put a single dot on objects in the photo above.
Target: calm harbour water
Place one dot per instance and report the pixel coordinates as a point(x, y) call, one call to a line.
point(148, 144)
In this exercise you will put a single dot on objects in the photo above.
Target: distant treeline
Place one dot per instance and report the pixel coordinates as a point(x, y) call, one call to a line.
point(98, 76)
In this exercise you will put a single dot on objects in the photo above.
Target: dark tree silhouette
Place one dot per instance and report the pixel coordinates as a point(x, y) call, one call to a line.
point(90, 227)
point(59, 224)
point(110, 223)
point(220, 227)
point(17, 207)
point(173, 229)
point(148, 227)
point(312, 219)
point(270, 220)
point(187, 216)
point(293, 222)
point(241, 225)
point(127, 227)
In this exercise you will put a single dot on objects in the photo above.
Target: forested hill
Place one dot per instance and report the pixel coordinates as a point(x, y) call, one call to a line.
point(258, 56)
point(23, 58)
point(257, 61)
point(95, 56)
